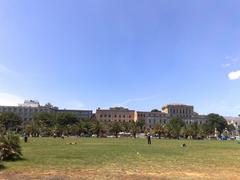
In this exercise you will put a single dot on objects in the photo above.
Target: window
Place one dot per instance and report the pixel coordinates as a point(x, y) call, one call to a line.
point(109, 115)
point(115, 115)
point(130, 116)
point(100, 115)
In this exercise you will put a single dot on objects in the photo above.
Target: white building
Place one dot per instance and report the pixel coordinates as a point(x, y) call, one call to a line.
point(233, 120)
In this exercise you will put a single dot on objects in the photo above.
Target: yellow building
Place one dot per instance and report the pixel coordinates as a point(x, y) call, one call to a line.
point(116, 114)
point(179, 110)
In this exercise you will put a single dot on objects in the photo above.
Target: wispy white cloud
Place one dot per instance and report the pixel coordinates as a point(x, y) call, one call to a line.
point(130, 100)
point(5, 70)
point(234, 75)
point(231, 61)
point(10, 99)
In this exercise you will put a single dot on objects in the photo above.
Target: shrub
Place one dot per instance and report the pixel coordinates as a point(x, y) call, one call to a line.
point(10, 148)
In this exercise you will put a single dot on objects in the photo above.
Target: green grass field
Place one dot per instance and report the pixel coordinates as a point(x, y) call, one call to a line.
point(125, 158)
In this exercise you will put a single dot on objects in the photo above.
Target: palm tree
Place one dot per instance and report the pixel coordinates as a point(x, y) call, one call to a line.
point(78, 129)
point(98, 128)
point(10, 148)
point(116, 128)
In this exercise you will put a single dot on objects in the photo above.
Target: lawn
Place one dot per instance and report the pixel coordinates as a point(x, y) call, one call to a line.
point(124, 158)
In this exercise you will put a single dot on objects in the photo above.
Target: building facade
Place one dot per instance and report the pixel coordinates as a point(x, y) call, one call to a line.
point(179, 110)
point(116, 114)
point(81, 114)
point(234, 121)
point(152, 118)
point(29, 108)
point(169, 111)
point(185, 112)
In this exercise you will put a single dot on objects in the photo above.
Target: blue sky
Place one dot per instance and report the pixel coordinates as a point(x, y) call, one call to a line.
point(140, 54)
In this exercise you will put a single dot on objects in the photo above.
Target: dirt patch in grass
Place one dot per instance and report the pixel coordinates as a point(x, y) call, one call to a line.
point(106, 173)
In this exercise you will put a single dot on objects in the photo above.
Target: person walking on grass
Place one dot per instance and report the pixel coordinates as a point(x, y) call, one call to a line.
point(149, 138)
point(25, 137)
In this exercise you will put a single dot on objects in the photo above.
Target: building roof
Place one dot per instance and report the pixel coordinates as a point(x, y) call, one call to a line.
point(176, 104)
point(116, 109)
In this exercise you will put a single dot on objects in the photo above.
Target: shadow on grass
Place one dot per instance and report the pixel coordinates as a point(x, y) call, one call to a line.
point(16, 159)
point(2, 167)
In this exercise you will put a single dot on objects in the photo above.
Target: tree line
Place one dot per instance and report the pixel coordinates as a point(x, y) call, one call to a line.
point(49, 124)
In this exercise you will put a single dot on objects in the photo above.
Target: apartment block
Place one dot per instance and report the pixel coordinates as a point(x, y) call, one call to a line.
point(116, 114)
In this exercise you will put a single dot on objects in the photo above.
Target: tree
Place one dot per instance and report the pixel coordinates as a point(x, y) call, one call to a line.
point(141, 124)
point(44, 123)
point(10, 121)
point(174, 126)
point(49, 105)
point(64, 119)
point(155, 110)
point(231, 128)
point(87, 126)
point(202, 133)
point(45, 119)
point(216, 121)
point(98, 128)
point(134, 128)
point(159, 129)
point(115, 128)
point(78, 128)
point(190, 130)
point(32, 128)
point(126, 126)
point(10, 148)
point(206, 129)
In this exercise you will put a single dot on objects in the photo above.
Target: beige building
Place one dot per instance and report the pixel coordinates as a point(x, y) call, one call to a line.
point(185, 112)
point(116, 114)
point(120, 114)
point(152, 118)
point(169, 111)
point(179, 110)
